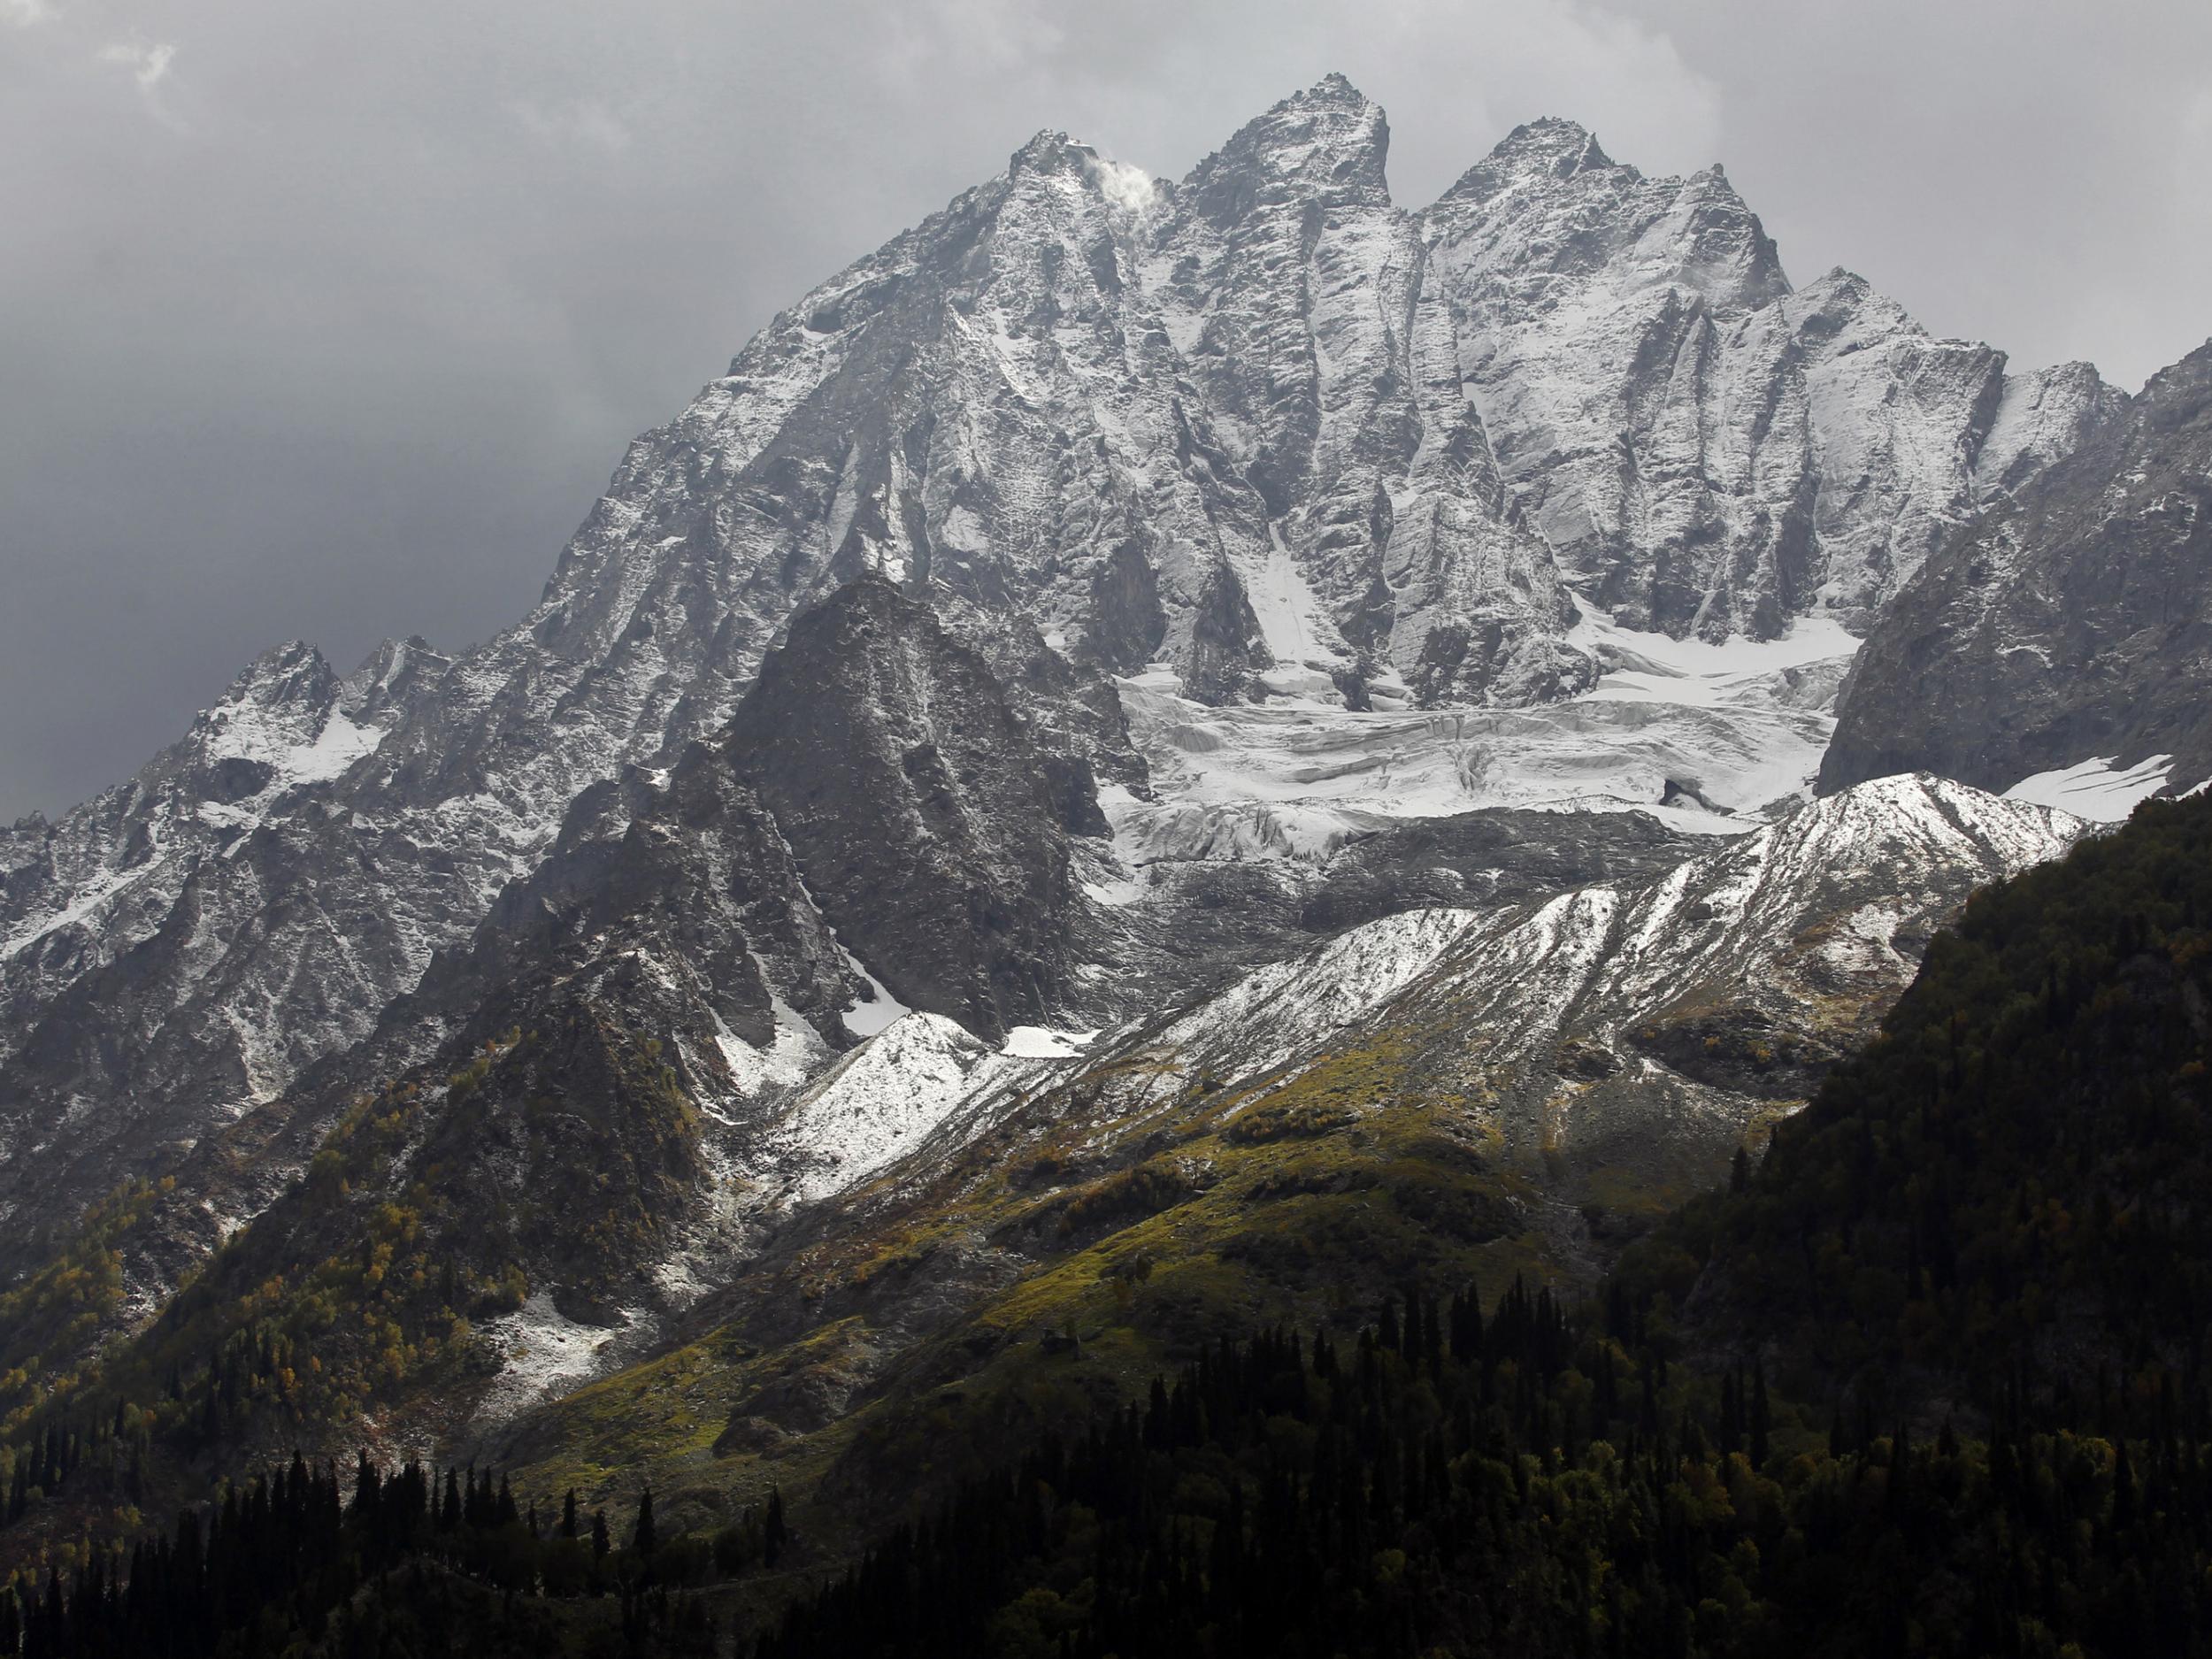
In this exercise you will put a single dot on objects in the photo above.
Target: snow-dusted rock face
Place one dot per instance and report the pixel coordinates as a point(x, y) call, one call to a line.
point(1261, 441)
point(1637, 1023)
point(2069, 632)
point(1711, 451)
point(1606, 1047)
point(178, 948)
point(1833, 902)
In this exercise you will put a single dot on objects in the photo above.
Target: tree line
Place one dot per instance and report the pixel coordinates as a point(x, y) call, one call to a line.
point(405, 1559)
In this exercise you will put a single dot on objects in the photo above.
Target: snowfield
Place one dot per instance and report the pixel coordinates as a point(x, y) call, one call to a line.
point(1712, 738)
point(2096, 789)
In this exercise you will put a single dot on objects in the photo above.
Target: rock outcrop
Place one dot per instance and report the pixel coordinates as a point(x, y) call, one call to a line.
point(2071, 625)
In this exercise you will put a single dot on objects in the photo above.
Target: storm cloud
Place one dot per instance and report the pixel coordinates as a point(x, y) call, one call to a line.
point(328, 321)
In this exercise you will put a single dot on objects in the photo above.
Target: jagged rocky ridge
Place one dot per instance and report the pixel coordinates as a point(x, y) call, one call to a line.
point(1350, 513)
point(878, 796)
point(2066, 629)
point(1733, 979)
point(592, 1096)
point(1262, 426)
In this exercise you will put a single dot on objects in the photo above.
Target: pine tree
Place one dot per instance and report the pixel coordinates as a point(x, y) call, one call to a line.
point(568, 1514)
point(642, 1539)
point(1762, 1418)
point(600, 1542)
point(772, 1533)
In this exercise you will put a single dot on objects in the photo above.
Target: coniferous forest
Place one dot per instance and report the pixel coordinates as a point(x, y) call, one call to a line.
point(1928, 1376)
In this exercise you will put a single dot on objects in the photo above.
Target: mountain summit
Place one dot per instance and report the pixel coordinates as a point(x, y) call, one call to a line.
point(1256, 513)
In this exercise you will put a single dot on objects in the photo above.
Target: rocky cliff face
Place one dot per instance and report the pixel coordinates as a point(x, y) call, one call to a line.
point(2066, 627)
point(920, 804)
point(1261, 437)
point(1706, 451)
point(178, 948)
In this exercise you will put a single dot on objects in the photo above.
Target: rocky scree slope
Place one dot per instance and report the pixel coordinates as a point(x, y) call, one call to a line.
point(2066, 627)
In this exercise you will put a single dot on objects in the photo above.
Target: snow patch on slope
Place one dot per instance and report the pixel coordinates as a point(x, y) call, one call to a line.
point(1709, 738)
point(879, 1102)
point(1286, 1008)
point(1299, 635)
point(1042, 1042)
point(81, 906)
point(544, 1354)
point(796, 1051)
point(1642, 667)
point(245, 731)
point(877, 1012)
point(891, 1094)
point(1829, 885)
point(2095, 789)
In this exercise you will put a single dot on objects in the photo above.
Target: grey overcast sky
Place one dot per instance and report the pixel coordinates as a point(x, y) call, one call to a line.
point(329, 319)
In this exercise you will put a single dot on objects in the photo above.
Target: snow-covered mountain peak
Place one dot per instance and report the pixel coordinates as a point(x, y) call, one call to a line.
point(1328, 144)
point(279, 725)
point(1065, 167)
point(1548, 204)
point(1548, 149)
point(1334, 87)
point(1046, 149)
point(2179, 385)
point(1841, 311)
point(391, 677)
point(1054, 155)
point(1903, 827)
point(294, 674)
point(1358, 506)
point(2061, 637)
